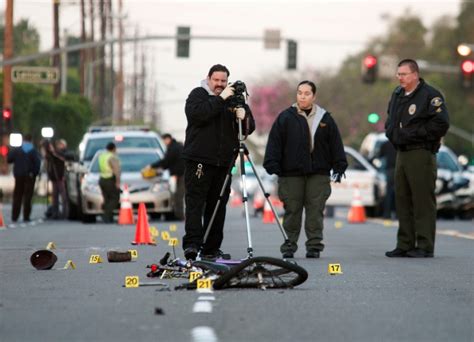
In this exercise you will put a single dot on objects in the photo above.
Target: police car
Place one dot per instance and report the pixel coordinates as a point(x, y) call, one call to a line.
point(96, 139)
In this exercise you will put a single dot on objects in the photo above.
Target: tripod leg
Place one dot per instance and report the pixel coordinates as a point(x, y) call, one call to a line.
point(267, 198)
point(221, 194)
point(245, 198)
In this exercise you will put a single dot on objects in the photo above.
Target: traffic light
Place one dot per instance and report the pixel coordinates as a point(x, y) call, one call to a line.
point(467, 71)
point(182, 43)
point(373, 118)
point(6, 120)
point(3, 151)
point(369, 69)
point(291, 55)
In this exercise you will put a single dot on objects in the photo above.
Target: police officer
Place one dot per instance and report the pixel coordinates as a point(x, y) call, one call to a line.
point(417, 120)
point(211, 139)
point(109, 181)
point(174, 162)
point(26, 166)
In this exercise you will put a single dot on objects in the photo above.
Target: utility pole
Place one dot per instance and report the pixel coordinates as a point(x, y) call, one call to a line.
point(135, 75)
point(83, 52)
point(92, 56)
point(110, 96)
point(7, 54)
point(64, 65)
point(7, 79)
point(103, 26)
point(120, 86)
point(56, 58)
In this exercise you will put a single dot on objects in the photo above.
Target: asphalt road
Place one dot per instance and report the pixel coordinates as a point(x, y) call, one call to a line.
point(375, 299)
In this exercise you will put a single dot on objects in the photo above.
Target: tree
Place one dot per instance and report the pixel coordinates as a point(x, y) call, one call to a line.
point(26, 38)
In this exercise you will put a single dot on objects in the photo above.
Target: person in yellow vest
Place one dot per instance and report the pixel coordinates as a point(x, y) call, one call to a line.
point(109, 182)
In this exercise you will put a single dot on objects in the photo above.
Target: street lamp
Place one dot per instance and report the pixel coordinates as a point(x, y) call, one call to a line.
point(16, 139)
point(465, 49)
point(47, 132)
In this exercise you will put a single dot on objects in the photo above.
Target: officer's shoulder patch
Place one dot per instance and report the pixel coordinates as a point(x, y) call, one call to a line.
point(436, 101)
point(439, 110)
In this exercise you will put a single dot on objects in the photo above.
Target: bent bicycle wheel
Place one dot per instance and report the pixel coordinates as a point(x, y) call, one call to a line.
point(263, 273)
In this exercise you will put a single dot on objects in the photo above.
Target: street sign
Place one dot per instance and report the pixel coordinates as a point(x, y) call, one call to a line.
point(33, 74)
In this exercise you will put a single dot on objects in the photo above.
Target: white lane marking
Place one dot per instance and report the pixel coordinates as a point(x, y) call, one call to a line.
point(206, 298)
point(455, 233)
point(203, 334)
point(202, 306)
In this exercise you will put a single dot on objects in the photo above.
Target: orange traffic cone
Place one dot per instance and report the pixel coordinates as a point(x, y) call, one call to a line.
point(357, 211)
point(142, 234)
point(126, 212)
point(236, 200)
point(268, 216)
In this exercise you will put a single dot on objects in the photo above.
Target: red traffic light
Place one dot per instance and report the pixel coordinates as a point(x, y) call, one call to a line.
point(467, 67)
point(370, 61)
point(3, 150)
point(7, 113)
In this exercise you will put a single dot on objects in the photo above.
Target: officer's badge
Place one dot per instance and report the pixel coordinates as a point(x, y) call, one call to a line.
point(412, 109)
point(436, 101)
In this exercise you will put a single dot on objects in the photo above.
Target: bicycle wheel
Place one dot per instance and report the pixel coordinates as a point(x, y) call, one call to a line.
point(262, 272)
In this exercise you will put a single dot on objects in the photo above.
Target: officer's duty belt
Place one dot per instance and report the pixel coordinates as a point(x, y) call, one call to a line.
point(412, 147)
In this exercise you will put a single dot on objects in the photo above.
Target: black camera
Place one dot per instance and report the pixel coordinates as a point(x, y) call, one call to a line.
point(240, 95)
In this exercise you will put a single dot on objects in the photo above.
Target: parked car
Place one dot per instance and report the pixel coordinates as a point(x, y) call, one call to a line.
point(154, 192)
point(96, 139)
point(363, 177)
point(454, 187)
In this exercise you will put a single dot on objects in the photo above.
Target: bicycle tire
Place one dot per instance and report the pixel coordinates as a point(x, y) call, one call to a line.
point(262, 272)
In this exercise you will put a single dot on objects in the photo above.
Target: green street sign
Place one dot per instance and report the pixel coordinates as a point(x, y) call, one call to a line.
point(31, 74)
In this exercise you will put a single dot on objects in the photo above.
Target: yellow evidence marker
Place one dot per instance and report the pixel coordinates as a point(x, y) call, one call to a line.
point(173, 242)
point(51, 245)
point(194, 275)
point(204, 283)
point(334, 269)
point(69, 265)
point(133, 253)
point(154, 232)
point(165, 236)
point(338, 224)
point(132, 281)
point(95, 259)
point(172, 227)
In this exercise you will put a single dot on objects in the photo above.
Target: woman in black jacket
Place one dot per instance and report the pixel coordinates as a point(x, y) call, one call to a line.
point(303, 147)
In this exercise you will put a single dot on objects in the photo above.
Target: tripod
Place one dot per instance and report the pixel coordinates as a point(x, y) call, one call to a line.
point(242, 152)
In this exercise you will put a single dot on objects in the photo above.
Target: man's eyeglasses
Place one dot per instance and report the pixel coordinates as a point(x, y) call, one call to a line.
point(403, 74)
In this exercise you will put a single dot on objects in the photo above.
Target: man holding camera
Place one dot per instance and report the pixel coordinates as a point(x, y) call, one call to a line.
point(212, 138)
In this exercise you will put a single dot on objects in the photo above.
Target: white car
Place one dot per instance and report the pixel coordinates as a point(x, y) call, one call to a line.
point(154, 192)
point(96, 139)
point(362, 178)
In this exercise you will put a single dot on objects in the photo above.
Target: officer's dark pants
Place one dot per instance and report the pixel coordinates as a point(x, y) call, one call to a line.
point(111, 196)
point(60, 197)
point(179, 198)
point(201, 196)
point(389, 200)
point(23, 192)
point(415, 176)
point(310, 193)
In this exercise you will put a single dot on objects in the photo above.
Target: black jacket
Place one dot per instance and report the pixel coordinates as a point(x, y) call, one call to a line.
point(24, 163)
point(417, 120)
point(173, 159)
point(212, 131)
point(288, 148)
